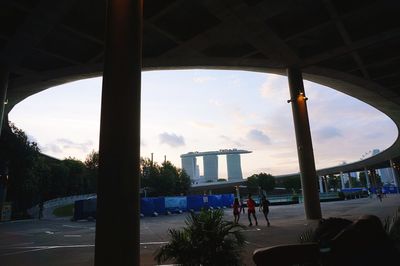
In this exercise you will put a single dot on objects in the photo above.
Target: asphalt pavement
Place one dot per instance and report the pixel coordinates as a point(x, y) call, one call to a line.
point(52, 242)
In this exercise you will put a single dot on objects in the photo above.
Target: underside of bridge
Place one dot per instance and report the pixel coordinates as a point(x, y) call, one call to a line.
point(351, 46)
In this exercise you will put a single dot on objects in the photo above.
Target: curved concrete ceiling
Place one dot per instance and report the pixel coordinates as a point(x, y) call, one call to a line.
point(351, 46)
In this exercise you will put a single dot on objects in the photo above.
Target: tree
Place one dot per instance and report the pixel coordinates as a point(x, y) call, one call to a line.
point(22, 159)
point(164, 180)
point(262, 180)
point(206, 239)
point(292, 183)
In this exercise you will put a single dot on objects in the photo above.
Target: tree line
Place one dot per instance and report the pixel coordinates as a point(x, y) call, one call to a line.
point(32, 177)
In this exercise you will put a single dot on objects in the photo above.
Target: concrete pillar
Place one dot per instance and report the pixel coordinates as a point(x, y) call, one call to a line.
point(118, 203)
point(342, 180)
point(4, 74)
point(321, 186)
point(326, 183)
point(349, 175)
point(394, 174)
point(304, 144)
point(367, 178)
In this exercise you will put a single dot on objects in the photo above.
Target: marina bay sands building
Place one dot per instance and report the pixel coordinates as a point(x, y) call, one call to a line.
point(210, 164)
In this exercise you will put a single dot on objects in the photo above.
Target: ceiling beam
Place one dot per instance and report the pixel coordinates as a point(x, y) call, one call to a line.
point(42, 20)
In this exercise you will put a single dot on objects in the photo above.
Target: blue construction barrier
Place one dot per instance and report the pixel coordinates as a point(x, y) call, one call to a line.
point(227, 200)
point(159, 205)
point(85, 209)
point(176, 204)
point(195, 202)
point(215, 201)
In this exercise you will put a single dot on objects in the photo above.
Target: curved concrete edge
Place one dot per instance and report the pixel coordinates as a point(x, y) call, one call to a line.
point(364, 90)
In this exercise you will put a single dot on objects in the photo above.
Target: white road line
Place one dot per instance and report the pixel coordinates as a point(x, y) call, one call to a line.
point(252, 230)
point(154, 243)
point(49, 232)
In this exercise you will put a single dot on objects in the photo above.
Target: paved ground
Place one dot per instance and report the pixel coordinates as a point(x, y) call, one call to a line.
point(61, 242)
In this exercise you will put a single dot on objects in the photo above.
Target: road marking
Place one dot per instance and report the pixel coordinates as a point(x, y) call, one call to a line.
point(72, 236)
point(154, 243)
point(49, 232)
point(252, 230)
point(40, 248)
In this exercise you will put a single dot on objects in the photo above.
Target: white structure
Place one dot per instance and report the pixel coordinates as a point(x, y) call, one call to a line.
point(386, 174)
point(210, 164)
point(234, 167)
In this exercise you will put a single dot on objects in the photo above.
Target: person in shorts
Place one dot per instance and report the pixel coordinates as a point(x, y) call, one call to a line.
point(251, 210)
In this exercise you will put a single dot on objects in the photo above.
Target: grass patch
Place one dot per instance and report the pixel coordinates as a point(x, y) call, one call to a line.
point(67, 210)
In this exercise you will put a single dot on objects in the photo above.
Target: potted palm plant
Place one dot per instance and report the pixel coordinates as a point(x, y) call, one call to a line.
point(207, 239)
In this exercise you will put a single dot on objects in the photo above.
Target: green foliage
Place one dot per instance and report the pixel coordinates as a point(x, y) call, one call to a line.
point(306, 236)
point(392, 227)
point(206, 239)
point(263, 180)
point(34, 177)
point(292, 183)
point(64, 211)
point(164, 180)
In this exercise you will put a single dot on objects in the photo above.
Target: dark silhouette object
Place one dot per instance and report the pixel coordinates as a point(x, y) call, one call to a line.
point(288, 255)
point(41, 207)
point(327, 229)
point(379, 194)
point(364, 242)
point(337, 241)
point(236, 210)
point(251, 210)
point(264, 206)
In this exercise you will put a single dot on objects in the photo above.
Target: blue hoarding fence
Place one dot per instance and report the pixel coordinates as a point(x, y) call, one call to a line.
point(152, 206)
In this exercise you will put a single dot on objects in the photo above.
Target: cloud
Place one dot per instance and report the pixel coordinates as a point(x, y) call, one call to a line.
point(327, 132)
point(52, 148)
point(275, 88)
point(231, 141)
point(172, 139)
point(65, 146)
point(258, 136)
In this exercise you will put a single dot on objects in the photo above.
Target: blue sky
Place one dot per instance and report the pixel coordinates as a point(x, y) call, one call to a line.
point(200, 110)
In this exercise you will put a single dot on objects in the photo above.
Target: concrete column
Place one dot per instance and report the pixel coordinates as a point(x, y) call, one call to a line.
point(118, 202)
point(326, 183)
point(396, 182)
point(367, 178)
point(4, 74)
point(349, 175)
point(321, 186)
point(342, 180)
point(304, 144)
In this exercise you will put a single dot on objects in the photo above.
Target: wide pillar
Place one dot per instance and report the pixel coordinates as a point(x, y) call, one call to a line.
point(304, 144)
point(4, 74)
point(349, 176)
point(367, 178)
point(327, 188)
point(321, 186)
point(342, 183)
point(118, 220)
point(394, 174)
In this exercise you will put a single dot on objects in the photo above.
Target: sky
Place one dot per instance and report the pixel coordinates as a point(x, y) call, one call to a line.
point(203, 110)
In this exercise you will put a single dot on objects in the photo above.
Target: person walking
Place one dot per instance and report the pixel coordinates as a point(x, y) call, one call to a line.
point(236, 210)
point(264, 207)
point(251, 210)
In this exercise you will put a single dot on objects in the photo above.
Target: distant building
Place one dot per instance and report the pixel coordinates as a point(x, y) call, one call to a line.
point(386, 174)
point(210, 164)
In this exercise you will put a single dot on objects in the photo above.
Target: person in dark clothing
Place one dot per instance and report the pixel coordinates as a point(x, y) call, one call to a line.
point(264, 207)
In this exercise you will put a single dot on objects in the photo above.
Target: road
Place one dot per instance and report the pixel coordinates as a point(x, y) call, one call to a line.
point(61, 242)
